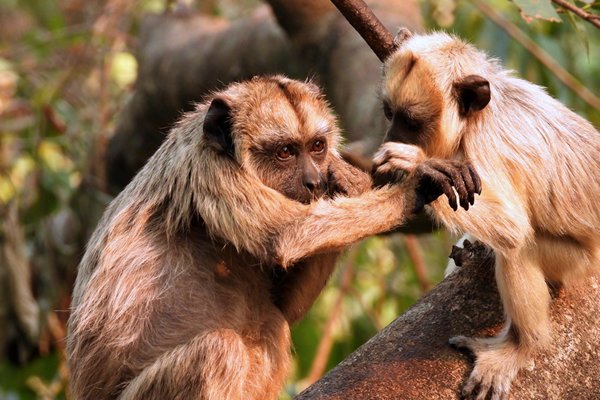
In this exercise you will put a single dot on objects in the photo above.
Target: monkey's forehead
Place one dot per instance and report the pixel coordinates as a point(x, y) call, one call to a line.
point(445, 58)
point(283, 122)
point(285, 111)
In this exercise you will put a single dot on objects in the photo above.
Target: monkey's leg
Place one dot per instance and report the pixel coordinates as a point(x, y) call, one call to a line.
point(212, 366)
point(526, 300)
point(566, 260)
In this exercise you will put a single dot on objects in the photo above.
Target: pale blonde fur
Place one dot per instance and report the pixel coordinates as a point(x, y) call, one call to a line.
point(539, 164)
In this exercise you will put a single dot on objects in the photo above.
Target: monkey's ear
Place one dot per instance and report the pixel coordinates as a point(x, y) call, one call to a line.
point(401, 36)
point(218, 126)
point(473, 94)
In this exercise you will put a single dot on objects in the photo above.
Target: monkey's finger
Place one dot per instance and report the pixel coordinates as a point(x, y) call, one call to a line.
point(476, 179)
point(502, 393)
point(438, 184)
point(469, 184)
point(496, 395)
point(480, 385)
point(501, 388)
point(483, 392)
point(380, 157)
point(445, 186)
point(470, 389)
point(401, 164)
point(457, 180)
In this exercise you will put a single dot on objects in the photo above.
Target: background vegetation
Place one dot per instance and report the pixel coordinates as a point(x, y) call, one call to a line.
point(67, 68)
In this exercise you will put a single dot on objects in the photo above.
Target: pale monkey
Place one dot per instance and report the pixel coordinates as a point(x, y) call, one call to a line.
point(539, 164)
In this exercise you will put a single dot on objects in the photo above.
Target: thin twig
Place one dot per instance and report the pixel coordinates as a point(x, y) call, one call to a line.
point(368, 26)
point(562, 74)
point(373, 317)
point(414, 252)
point(591, 18)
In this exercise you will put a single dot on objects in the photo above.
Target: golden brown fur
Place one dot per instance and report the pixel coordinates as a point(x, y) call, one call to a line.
point(538, 162)
point(196, 270)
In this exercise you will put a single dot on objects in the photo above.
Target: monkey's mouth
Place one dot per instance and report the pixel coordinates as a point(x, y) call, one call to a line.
point(312, 196)
point(306, 197)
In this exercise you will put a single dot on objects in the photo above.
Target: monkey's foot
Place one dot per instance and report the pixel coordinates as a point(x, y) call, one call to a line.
point(469, 251)
point(497, 362)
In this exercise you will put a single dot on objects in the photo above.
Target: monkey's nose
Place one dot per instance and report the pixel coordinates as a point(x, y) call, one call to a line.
point(312, 183)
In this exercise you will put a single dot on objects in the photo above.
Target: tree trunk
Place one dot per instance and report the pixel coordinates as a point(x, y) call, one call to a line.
point(411, 358)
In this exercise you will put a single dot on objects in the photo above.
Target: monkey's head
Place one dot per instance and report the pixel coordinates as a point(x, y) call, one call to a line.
point(433, 87)
point(278, 129)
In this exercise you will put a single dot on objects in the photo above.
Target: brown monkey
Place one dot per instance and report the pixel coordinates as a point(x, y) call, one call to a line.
point(224, 238)
point(538, 162)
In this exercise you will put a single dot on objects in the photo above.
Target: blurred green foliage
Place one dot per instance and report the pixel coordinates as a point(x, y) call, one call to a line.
point(64, 75)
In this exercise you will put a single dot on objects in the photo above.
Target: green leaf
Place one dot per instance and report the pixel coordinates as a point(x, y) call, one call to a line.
point(537, 9)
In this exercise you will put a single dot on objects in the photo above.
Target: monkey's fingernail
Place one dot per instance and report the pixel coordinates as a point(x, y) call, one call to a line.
point(464, 203)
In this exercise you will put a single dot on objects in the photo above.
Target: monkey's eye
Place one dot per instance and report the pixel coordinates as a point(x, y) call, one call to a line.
point(318, 146)
point(285, 152)
point(387, 110)
point(407, 121)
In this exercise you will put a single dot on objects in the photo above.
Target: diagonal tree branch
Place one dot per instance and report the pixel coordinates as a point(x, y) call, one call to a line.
point(368, 26)
point(589, 17)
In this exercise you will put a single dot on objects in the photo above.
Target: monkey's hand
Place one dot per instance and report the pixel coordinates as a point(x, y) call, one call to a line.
point(394, 161)
point(435, 177)
point(345, 179)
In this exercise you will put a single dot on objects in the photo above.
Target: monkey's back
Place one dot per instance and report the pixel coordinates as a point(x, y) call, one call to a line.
point(547, 152)
point(142, 293)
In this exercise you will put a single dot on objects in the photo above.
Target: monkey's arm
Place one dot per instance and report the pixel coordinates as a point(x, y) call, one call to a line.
point(280, 231)
point(499, 218)
point(347, 180)
point(336, 224)
point(303, 283)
